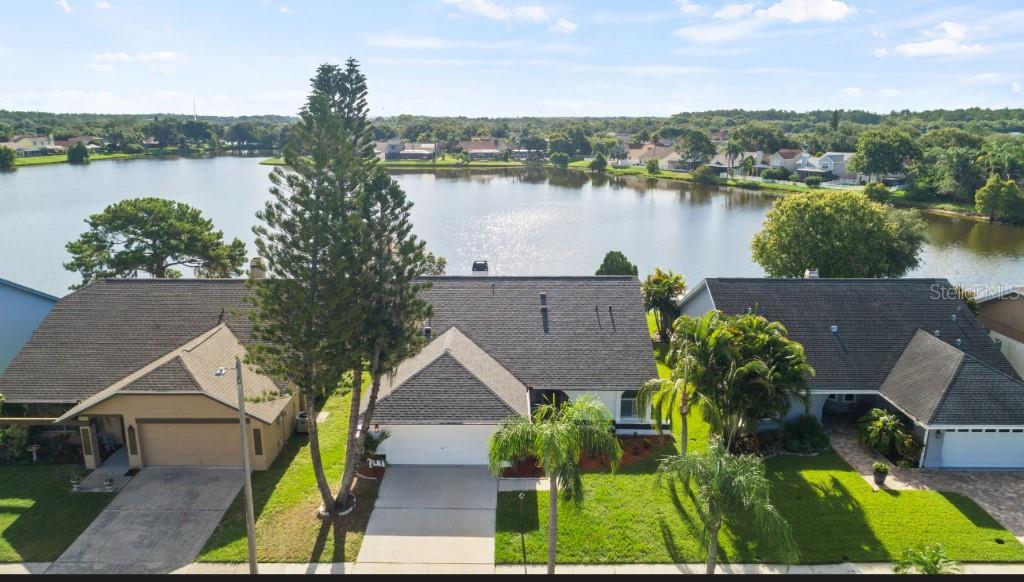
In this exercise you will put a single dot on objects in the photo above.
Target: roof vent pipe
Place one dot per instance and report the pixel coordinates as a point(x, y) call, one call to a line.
point(834, 329)
point(611, 316)
point(428, 332)
point(938, 332)
point(953, 317)
point(959, 342)
point(544, 318)
point(811, 274)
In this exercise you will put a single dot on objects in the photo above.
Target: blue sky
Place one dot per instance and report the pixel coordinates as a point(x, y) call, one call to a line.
point(511, 57)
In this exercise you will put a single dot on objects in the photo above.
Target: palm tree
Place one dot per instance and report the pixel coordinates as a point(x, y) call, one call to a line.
point(748, 165)
point(558, 436)
point(662, 397)
point(725, 487)
point(733, 150)
point(661, 293)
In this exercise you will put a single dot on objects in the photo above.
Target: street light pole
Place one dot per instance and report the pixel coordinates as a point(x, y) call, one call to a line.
point(250, 520)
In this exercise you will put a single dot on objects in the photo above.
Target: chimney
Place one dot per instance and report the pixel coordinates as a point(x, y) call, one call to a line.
point(257, 269)
point(481, 268)
point(811, 274)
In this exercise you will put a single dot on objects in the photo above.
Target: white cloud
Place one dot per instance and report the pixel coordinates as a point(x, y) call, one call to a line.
point(501, 12)
point(946, 39)
point(406, 42)
point(101, 67)
point(718, 33)
point(564, 26)
point(991, 78)
point(890, 92)
point(879, 34)
point(63, 4)
point(881, 52)
point(734, 11)
point(103, 5)
point(1016, 87)
point(797, 11)
point(123, 57)
point(689, 8)
point(853, 92)
point(285, 9)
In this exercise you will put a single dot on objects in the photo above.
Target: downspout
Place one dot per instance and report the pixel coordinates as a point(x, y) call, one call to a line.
point(924, 447)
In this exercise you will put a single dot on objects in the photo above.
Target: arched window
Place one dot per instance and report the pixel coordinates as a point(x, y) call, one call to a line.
point(627, 404)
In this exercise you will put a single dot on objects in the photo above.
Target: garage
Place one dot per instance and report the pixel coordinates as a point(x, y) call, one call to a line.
point(983, 449)
point(212, 443)
point(437, 444)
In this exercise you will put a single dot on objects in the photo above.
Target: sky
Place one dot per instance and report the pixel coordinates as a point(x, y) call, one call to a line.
point(496, 58)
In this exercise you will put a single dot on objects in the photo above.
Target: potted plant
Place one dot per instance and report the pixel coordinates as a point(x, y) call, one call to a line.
point(108, 483)
point(881, 471)
point(75, 476)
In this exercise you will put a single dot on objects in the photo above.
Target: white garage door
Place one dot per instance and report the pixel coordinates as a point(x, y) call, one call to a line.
point(983, 450)
point(437, 445)
point(191, 444)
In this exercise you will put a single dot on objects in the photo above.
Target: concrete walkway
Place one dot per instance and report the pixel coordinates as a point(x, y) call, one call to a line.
point(442, 515)
point(1000, 493)
point(350, 568)
point(155, 525)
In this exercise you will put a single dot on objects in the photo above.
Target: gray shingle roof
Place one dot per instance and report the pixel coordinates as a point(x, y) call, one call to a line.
point(584, 348)
point(170, 377)
point(876, 318)
point(937, 384)
point(100, 334)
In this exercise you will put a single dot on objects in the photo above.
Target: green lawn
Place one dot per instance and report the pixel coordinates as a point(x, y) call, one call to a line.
point(39, 516)
point(628, 518)
point(63, 158)
point(286, 500)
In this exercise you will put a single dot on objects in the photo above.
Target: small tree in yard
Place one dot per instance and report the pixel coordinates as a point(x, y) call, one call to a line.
point(78, 154)
point(882, 430)
point(616, 263)
point(599, 163)
point(727, 488)
point(652, 166)
point(154, 236)
point(661, 293)
point(559, 160)
point(558, 437)
point(7, 160)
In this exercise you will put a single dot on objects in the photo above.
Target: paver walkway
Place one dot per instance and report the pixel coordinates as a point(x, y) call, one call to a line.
point(431, 515)
point(1000, 493)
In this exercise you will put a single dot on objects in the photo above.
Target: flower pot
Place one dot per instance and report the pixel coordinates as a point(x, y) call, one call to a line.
point(880, 477)
point(109, 484)
point(76, 484)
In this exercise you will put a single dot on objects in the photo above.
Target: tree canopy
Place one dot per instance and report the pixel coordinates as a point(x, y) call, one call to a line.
point(841, 234)
point(616, 263)
point(7, 159)
point(152, 235)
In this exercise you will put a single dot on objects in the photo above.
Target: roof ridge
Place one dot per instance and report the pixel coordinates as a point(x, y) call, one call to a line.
point(490, 389)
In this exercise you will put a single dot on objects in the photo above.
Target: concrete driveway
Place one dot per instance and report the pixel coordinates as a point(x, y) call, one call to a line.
point(157, 524)
point(431, 515)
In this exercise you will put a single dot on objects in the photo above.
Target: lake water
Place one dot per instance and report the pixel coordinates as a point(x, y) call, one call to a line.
point(533, 222)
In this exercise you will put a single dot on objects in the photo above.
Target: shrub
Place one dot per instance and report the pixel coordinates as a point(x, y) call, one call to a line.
point(813, 181)
point(794, 177)
point(775, 174)
point(78, 154)
point(7, 159)
point(704, 175)
point(652, 166)
point(804, 436)
point(882, 430)
point(560, 159)
point(13, 440)
point(929, 560)
point(133, 148)
point(878, 192)
point(599, 163)
point(880, 468)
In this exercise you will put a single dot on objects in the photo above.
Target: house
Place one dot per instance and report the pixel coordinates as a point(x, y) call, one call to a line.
point(668, 158)
point(1003, 315)
point(145, 368)
point(21, 311)
point(496, 346)
point(720, 162)
point(482, 149)
point(788, 158)
point(836, 163)
point(26, 146)
point(396, 149)
point(910, 345)
point(719, 137)
point(92, 142)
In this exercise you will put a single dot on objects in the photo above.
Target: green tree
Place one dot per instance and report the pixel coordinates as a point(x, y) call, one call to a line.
point(929, 560)
point(704, 176)
point(883, 151)
point(559, 160)
point(834, 124)
point(436, 265)
point(949, 137)
point(616, 263)
point(306, 315)
point(729, 489)
point(877, 192)
point(599, 163)
point(733, 151)
point(695, 147)
point(652, 166)
point(841, 234)
point(152, 235)
point(960, 174)
point(748, 166)
point(882, 430)
point(760, 137)
point(78, 154)
point(662, 291)
point(1003, 155)
point(8, 160)
point(999, 199)
point(558, 437)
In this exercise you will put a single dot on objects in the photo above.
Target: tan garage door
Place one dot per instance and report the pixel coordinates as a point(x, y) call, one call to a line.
point(190, 444)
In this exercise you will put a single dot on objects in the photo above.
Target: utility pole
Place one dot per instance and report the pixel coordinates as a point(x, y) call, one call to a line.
point(250, 519)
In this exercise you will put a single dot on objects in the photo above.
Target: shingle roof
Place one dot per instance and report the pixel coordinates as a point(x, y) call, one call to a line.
point(938, 384)
point(100, 334)
point(876, 319)
point(205, 365)
point(451, 381)
point(583, 348)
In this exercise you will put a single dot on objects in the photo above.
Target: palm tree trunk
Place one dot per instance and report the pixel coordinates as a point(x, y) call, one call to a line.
point(317, 461)
point(343, 501)
point(552, 521)
point(684, 426)
point(712, 548)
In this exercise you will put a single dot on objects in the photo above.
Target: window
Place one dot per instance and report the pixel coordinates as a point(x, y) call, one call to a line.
point(849, 397)
point(257, 441)
point(627, 405)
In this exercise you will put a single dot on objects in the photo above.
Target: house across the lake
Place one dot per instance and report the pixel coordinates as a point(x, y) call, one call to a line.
point(21, 311)
point(27, 146)
point(907, 344)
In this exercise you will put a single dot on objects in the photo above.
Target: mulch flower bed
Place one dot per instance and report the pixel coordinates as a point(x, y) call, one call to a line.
point(634, 450)
point(364, 471)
